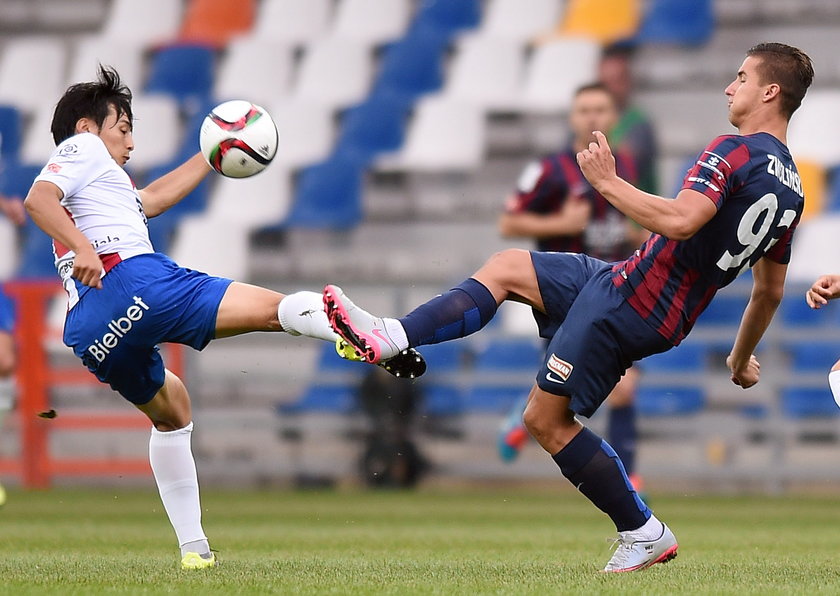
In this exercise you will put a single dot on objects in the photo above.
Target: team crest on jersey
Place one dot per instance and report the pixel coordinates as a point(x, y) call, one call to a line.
point(560, 367)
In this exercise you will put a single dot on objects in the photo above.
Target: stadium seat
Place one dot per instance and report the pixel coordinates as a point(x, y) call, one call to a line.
point(669, 401)
point(723, 310)
point(38, 142)
point(489, 399)
point(813, 177)
point(216, 23)
point(157, 131)
point(812, 256)
point(371, 128)
point(185, 72)
point(814, 134)
point(125, 56)
point(334, 72)
point(328, 195)
point(9, 246)
point(145, 23)
point(487, 72)
point(449, 16)
point(519, 20)
point(812, 355)
point(322, 398)
point(295, 22)
point(808, 402)
point(555, 70)
point(36, 256)
point(306, 132)
point(450, 356)
point(371, 22)
point(215, 247)
point(507, 354)
point(795, 312)
point(411, 66)
point(250, 202)
point(442, 400)
point(257, 69)
point(607, 21)
point(684, 22)
point(443, 136)
point(23, 56)
point(686, 357)
point(330, 362)
point(11, 125)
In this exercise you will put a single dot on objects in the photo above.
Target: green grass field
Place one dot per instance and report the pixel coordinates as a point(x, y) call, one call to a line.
point(497, 541)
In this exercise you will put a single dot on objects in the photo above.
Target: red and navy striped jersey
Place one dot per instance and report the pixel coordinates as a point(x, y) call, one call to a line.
point(753, 182)
point(545, 186)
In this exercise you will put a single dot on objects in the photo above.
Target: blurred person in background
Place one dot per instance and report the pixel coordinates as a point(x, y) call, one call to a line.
point(556, 206)
point(12, 208)
point(737, 209)
point(825, 288)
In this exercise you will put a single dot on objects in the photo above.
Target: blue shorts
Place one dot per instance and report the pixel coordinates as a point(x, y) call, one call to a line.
point(144, 300)
point(7, 313)
point(595, 334)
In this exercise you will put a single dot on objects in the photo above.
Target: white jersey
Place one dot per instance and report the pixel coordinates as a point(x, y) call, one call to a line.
point(101, 200)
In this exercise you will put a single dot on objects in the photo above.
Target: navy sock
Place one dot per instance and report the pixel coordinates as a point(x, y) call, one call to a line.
point(622, 435)
point(593, 467)
point(459, 312)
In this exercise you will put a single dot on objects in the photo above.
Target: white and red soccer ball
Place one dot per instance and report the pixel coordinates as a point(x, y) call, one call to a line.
point(238, 139)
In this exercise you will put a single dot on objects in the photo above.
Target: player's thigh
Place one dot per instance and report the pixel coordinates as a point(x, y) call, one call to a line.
point(624, 392)
point(170, 408)
point(245, 308)
point(510, 275)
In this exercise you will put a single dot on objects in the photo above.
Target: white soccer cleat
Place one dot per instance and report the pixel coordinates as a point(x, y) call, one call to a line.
point(363, 332)
point(634, 553)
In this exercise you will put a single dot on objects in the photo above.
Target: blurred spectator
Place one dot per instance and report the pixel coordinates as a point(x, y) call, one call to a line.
point(633, 132)
point(390, 457)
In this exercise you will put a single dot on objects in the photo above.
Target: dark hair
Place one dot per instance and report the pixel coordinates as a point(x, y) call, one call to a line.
point(90, 100)
point(595, 87)
point(620, 49)
point(787, 66)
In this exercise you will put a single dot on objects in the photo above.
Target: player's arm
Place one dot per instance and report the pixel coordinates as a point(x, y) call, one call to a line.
point(677, 219)
point(43, 203)
point(568, 221)
point(826, 288)
point(170, 188)
point(766, 295)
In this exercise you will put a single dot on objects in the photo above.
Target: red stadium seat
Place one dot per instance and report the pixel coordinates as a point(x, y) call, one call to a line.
point(216, 23)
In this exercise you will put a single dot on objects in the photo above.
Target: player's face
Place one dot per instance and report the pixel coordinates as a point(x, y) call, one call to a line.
point(591, 110)
point(116, 133)
point(745, 92)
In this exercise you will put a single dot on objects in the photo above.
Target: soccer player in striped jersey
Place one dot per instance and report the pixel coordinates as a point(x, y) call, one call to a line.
point(738, 208)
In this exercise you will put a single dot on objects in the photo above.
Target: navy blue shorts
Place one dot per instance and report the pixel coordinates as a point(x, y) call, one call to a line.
point(595, 334)
point(144, 300)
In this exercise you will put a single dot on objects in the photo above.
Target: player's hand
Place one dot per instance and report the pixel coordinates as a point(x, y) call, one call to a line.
point(13, 209)
point(745, 375)
point(597, 162)
point(87, 268)
point(824, 289)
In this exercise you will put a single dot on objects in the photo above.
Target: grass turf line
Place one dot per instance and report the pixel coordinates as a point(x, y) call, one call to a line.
point(468, 542)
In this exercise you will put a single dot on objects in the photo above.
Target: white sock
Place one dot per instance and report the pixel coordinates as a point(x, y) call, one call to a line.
point(834, 383)
point(173, 465)
point(302, 313)
point(396, 332)
point(651, 530)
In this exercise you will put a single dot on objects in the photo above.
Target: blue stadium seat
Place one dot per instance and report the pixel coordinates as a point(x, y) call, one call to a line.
point(449, 16)
point(687, 357)
point(808, 402)
point(445, 357)
point(510, 354)
point(328, 195)
point(684, 22)
point(723, 310)
point(372, 127)
point(184, 71)
point(329, 362)
point(669, 401)
point(411, 66)
point(442, 400)
point(493, 399)
point(813, 356)
point(36, 257)
point(322, 398)
point(11, 124)
point(795, 312)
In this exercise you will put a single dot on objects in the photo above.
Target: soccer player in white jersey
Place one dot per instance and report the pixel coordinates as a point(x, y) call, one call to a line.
point(124, 298)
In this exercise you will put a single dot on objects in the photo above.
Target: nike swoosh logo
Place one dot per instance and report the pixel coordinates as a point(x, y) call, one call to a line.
point(378, 333)
point(553, 378)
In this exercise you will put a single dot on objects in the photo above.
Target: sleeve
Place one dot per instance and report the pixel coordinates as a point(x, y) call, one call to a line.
point(75, 163)
point(541, 188)
point(718, 169)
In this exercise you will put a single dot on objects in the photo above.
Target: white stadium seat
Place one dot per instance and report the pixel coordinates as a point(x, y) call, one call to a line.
point(256, 69)
point(371, 22)
point(157, 131)
point(520, 20)
point(32, 72)
point(555, 70)
point(126, 57)
point(335, 72)
point(814, 251)
point(814, 131)
point(293, 21)
point(212, 246)
point(251, 202)
point(144, 22)
point(306, 131)
point(487, 72)
point(9, 246)
point(38, 142)
point(444, 135)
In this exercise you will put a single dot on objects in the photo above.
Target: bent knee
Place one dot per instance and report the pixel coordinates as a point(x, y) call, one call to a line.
point(509, 260)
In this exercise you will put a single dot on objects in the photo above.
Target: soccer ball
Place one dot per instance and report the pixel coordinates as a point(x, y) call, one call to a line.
point(238, 138)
